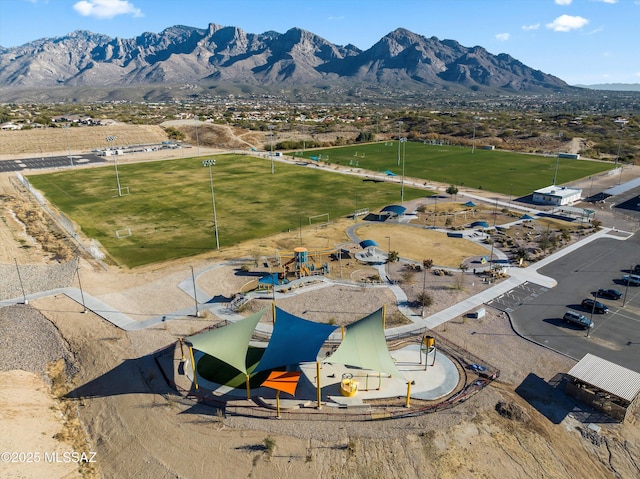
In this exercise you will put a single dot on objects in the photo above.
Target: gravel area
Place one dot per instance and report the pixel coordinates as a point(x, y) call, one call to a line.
point(34, 278)
point(29, 341)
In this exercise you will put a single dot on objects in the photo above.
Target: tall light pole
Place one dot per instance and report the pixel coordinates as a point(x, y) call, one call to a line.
point(211, 163)
point(111, 139)
point(473, 141)
point(404, 143)
point(84, 306)
point(66, 127)
point(24, 296)
point(271, 141)
point(626, 291)
point(555, 175)
point(303, 117)
point(620, 122)
point(195, 120)
point(399, 126)
point(388, 257)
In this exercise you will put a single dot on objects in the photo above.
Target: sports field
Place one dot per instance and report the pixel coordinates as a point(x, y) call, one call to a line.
point(491, 170)
point(169, 210)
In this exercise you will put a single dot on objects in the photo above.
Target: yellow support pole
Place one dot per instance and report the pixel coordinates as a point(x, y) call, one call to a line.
point(384, 316)
point(181, 350)
point(318, 384)
point(193, 365)
point(379, 381)
point(273, 310)
point(408, 403)
point(278, 403)
point(342, 328)
point(248, 387)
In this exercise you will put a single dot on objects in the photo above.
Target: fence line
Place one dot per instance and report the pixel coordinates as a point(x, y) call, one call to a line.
point(94, 249)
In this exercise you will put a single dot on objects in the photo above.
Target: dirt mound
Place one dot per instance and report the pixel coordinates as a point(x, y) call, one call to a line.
point(512, 411)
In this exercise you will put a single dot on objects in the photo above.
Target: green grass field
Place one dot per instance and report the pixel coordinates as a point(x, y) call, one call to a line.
point(169, 208)
point(498, 171)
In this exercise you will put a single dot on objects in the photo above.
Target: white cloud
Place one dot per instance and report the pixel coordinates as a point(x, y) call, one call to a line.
point(566, 23)
point(333, 19)
point(106, 8)
point(563, 2)
point(608, 1)
point(535, 26)
point(503, 37)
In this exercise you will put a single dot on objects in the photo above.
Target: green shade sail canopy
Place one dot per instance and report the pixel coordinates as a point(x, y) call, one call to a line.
point(364, 346)
point(230, 343)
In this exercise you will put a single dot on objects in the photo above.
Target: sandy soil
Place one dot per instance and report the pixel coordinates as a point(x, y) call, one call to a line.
point(140, 427)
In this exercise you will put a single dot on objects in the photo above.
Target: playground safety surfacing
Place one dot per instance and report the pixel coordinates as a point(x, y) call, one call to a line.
point(430, 382)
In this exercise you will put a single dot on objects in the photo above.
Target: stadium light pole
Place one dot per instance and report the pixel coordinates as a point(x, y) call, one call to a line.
point(211, 163)
point(66, 127)
point(111, 139)
point(399, 126)
point(404, 151)
point(271, 142)
point(473, 141)
point(620, 122)
point(303, 117)
point(555, 175)
point(195, 121)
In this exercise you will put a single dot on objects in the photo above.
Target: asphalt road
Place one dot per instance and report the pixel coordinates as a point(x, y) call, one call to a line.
point(615, 335)
point(49, 162)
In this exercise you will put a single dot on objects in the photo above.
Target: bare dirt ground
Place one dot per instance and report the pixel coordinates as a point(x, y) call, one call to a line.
point(140, 427)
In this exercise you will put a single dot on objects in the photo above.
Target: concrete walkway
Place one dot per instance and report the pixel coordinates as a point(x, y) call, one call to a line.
point(517, 276)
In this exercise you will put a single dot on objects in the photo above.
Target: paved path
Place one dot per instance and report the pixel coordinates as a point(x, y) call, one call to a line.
point(517, 276)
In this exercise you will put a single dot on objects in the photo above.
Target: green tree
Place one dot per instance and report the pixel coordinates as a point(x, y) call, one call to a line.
point(393, 257)
point(452, 190)
point(364, 136)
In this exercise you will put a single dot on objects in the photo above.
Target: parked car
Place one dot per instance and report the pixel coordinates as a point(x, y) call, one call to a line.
point(573, 317)
point(609, 293)
point(636, 269)
point(595, 306)
point(632, 279)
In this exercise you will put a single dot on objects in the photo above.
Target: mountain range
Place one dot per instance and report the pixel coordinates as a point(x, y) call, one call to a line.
point(222, 54)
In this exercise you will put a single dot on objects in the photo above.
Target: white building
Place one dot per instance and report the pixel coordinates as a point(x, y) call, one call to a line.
point(557, 195)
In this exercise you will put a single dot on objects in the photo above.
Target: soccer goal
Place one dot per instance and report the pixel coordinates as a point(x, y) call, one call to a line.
point(317, 219)
point(123, 233)
point(123, 191)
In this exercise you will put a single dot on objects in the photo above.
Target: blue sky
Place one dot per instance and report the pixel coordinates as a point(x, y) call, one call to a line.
point(579, 41)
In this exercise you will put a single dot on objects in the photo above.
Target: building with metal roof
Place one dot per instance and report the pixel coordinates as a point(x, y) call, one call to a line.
point(606, 386)
point(557, 195)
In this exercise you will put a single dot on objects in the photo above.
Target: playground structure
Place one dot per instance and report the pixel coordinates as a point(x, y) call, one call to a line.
point(313, 362)
point(302, 264)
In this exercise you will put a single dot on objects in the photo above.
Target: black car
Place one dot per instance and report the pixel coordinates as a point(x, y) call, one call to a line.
point(609, 293)
point(595, 306)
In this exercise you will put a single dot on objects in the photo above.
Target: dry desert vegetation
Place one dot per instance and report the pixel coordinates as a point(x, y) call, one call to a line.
point(71, 381)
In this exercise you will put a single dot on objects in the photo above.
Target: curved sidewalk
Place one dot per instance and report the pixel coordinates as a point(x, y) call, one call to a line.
point(517, 276)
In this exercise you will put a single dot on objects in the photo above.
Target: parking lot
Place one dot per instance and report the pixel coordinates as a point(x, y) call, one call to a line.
point(537, 312)
point(66, 161)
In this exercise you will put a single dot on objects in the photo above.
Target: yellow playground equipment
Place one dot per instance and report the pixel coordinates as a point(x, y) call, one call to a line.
point(348, 386)
point(301, 265)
